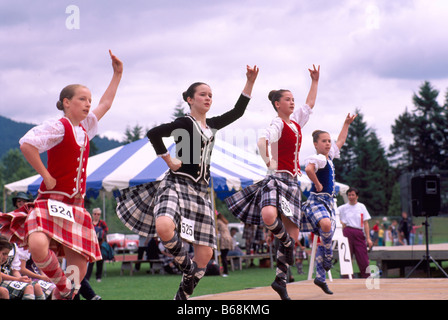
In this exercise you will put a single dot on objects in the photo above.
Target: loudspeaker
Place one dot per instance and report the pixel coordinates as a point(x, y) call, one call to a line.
point(425, 195)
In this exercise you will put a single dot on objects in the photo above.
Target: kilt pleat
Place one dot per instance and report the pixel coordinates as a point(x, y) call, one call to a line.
point(174, 196)
point(246, 204)
point(78, 236)
point(134, 205)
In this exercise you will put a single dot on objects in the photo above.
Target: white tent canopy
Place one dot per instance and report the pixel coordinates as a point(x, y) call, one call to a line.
point(232, 169)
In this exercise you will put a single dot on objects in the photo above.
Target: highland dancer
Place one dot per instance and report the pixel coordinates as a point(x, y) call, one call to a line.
point(318, 211)
point(178, 208)
point(275, 201)
point(56, 224)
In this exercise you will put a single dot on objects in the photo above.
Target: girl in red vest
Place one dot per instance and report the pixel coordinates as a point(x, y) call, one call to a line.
point(57, 224)
point(275, 201)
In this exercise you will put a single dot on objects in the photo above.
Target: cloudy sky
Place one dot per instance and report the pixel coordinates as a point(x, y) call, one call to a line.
point(373, 55)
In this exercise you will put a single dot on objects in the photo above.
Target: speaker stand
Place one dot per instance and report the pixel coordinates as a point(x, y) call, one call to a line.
point(427, 256)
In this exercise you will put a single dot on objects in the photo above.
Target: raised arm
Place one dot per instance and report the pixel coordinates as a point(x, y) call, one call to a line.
point(312, 95)
point(344, 132)
point(251, 75)
point(108, 97)
point(238, 110)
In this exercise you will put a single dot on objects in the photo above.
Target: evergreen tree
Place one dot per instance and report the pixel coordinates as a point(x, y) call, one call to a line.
point(134, 134)
point(399, 155)
point(363, 165)
point(395, 208)
point(15, 167)
point(420, 137)
point(179, 111)
point(444, 134)
point(93, 149)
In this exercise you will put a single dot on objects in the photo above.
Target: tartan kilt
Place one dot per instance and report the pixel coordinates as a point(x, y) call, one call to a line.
point(135, 208)
point(246, 204)
point(174, 196)
point(317, 207)
point(249, 231)
point(78, 236)
point(16, 289)
point(47, 287)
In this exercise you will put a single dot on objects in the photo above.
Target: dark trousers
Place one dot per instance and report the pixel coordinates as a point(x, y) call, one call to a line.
point(99, 269)
point(358, 248)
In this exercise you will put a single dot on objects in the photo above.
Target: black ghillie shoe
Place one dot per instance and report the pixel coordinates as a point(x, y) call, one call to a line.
point(323, 286)
point(281, 290)
point(180, 294)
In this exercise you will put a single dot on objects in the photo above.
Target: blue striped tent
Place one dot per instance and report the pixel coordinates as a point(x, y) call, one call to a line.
point(232, 168)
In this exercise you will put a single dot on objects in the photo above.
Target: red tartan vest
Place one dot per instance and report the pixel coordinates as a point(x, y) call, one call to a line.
point(286, 150)
point(67, 163)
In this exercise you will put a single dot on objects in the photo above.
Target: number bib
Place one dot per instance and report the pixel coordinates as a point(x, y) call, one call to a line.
point(286, 209)
point(187, 229)
point(17, 285)
point(61, 210)
point(45, 285)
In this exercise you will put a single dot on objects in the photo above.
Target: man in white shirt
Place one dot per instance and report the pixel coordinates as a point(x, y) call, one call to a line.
point(354, 218)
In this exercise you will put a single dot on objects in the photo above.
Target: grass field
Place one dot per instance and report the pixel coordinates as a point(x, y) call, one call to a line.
point(143, 286)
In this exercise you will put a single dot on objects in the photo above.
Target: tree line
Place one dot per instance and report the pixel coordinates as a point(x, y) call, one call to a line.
point(420, 144)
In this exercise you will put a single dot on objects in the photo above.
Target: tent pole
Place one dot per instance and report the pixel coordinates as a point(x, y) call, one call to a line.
point(212, 195)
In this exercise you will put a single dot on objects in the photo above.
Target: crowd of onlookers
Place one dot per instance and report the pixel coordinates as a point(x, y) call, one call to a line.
point(396, 232)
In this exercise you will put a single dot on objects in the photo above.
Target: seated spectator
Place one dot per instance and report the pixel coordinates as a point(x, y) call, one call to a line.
point(236, 250)
point(19, 287)
point(43, 287)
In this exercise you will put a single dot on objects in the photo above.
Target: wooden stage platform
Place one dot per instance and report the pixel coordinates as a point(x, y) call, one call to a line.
point(405, 258)
point(348, 289)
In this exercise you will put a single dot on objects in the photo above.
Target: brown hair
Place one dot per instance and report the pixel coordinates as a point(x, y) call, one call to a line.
point(316, 134)
point(68, 92)
point(4, 243)
point(191, 91)
point(276, 95)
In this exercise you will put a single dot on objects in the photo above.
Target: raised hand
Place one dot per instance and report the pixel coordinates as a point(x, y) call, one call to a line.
point(349, 119)
point(117, 65)
point(315, 73)
point(252, 73)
